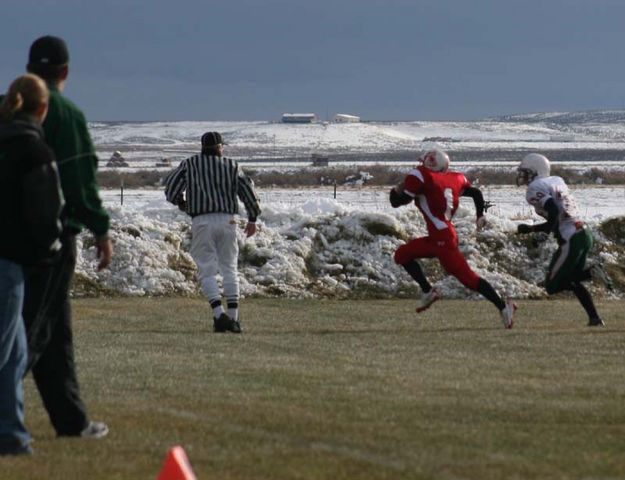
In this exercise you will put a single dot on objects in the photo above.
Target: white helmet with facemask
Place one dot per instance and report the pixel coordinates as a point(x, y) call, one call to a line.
point(533, 165)
point(435, 160)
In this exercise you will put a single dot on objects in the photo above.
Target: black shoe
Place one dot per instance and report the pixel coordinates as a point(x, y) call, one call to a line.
point(235, 326)
point(596, 322)
point(220, 324)
point(225, 324)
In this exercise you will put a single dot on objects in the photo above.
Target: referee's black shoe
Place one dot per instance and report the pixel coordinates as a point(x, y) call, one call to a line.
point(225, 324)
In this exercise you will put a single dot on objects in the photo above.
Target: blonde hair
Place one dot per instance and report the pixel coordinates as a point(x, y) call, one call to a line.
point(26, 94)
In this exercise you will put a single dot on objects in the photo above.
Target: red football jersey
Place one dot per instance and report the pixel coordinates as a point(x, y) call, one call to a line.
point(437, 195)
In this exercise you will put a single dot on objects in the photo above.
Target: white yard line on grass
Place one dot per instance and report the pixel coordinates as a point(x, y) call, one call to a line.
point(292, 440)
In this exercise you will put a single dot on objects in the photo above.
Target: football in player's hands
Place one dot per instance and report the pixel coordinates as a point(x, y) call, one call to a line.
point(524, 228)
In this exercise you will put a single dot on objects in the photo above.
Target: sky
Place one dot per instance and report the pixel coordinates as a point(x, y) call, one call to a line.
point(157, 60)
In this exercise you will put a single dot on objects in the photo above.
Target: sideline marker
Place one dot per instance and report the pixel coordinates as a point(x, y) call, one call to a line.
point(177, 466)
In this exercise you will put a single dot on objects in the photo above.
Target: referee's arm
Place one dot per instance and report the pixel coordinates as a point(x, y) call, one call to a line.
point(176, 184)
point(245, 192)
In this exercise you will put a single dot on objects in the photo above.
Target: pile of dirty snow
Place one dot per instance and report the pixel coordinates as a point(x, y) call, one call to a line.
point(319, 248)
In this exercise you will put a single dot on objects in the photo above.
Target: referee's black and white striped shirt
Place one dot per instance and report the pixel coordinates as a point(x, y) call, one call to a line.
point(212, 185)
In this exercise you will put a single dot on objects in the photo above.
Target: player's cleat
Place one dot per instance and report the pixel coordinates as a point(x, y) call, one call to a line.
point(225, 324)
point(507, 314)
point(427, 299)
point(596, 322)
point(599, 274)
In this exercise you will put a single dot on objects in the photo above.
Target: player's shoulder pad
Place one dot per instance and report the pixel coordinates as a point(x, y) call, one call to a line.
point(419, 172)
point(415, 180)
point(538, 192)
point(461, 178)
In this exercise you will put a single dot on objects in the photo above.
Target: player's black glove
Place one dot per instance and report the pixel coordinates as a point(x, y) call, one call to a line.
point(393, 198)
point(398, 197)
point(524, 228)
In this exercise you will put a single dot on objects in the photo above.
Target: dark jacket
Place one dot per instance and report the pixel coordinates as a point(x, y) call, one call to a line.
point(66, 133)
point(30, 196)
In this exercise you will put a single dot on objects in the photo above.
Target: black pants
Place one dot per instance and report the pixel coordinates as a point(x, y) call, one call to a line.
point(48, 320)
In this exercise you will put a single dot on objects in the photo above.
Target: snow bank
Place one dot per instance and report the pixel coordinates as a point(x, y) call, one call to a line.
point(318, 248)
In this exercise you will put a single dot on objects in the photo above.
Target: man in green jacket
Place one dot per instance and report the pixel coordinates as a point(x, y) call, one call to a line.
point(47, 312)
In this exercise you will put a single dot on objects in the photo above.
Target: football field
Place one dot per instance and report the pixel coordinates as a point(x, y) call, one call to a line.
point(324, 389)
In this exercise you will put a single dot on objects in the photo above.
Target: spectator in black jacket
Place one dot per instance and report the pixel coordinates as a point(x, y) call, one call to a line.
point(30, 206)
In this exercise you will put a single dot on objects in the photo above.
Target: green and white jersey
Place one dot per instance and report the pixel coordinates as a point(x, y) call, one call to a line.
point(542, 189)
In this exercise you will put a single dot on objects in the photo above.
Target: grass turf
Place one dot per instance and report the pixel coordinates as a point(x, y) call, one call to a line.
point(342, 389)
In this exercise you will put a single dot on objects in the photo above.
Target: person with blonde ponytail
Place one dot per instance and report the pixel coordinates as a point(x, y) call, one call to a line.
point(28, 94)
point(30, 207)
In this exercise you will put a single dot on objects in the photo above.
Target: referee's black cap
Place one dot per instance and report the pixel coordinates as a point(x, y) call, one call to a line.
point(210, 139)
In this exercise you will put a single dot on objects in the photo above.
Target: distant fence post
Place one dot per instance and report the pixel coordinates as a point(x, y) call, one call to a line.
point(334, 189)
point(121, 193)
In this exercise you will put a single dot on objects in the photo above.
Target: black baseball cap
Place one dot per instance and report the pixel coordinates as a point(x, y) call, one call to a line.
point(210, 139)
point(48, 50)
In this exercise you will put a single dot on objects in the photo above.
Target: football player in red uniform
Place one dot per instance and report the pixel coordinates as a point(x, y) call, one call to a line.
point(436, 192)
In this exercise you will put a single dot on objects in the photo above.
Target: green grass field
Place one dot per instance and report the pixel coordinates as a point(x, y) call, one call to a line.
point(342, 390)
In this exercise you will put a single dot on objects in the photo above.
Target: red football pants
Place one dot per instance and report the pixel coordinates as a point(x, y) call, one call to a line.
point(448, 254)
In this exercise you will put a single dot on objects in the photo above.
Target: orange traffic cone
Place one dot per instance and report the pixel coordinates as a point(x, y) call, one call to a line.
point(177, 466)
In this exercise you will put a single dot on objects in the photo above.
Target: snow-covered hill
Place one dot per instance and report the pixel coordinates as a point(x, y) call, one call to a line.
point(145, 144)
point(588, 116)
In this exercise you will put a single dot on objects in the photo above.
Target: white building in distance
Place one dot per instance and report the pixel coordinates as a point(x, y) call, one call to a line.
point(299, 118)
point(344, 118)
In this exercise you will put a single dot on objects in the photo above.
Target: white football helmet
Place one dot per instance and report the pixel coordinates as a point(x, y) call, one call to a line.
point(435, 160)
point(533, 165)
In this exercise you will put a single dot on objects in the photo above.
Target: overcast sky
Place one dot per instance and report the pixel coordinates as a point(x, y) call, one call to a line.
point(380, 59)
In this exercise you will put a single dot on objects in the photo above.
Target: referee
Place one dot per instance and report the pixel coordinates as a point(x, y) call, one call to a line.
point(207, 187)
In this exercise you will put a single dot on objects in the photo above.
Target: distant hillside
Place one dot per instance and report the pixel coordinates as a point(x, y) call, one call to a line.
point(589, 116)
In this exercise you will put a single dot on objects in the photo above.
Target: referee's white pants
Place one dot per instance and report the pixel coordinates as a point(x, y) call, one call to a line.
point(215, 249)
